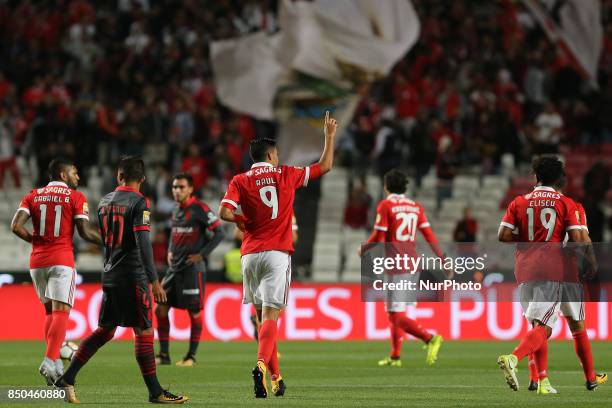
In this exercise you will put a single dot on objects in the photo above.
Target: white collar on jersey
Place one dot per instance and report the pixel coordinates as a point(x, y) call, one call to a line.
point(544, 188)
point(393, 195)
point(57, 183)
point(261, 164)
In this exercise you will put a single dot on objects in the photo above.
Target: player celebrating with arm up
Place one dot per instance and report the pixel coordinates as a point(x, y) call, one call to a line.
point(397, 219)
point(265, 194)
point(129, 271)
point(196, 232)
point(55, 210)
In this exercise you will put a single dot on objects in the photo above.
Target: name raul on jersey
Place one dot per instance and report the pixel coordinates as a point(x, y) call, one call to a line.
point(265, 181)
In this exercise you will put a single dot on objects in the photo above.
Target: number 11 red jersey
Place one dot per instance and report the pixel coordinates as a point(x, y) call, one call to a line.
point(53, 209)
point(265, 195)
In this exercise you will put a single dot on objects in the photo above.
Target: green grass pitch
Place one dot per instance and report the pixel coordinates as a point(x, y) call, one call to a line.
point(321, 374)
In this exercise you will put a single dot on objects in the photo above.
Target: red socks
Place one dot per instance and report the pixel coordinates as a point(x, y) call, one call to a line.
point(532, 341)
point(399, 320)
point(273, 365)
point(397, 336)
point(56, 333)
point(583, 351)
point(267, 341)
point(541, 358)
point(48, 320)
point(533, 368)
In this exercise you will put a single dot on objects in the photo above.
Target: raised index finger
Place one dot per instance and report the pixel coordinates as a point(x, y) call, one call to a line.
point(326, 116)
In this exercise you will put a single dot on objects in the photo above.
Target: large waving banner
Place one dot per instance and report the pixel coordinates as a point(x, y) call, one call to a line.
point(316, 62)
point(575, 26)
point(315, 312)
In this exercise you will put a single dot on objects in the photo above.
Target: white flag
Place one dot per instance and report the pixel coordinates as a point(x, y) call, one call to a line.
point(247, 73)
point(574, 25)
point(334, 39)
point(325, 52)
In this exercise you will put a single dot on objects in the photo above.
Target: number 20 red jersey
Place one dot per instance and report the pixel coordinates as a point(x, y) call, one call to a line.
point(399, 218)
point(53, 210)
point(265, 195)
point(540, 217)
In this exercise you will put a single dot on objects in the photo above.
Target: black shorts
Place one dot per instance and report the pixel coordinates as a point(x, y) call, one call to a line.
point(128, 305)
point(185, 289)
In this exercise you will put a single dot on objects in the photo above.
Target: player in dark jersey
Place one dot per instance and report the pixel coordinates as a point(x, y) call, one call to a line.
point(128, 271)
point(196, 231)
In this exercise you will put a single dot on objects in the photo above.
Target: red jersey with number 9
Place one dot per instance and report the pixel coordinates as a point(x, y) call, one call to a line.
point(53, 210)
point(538, 218)
point(265, 196)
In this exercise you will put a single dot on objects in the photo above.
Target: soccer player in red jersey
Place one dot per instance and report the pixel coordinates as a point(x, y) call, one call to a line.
point(573, 311)
point(55, 210)
point(534, 220)
point(397, 220)
point(265, 195)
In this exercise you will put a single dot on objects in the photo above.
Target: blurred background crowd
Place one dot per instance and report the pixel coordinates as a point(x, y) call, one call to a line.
point(481, 93)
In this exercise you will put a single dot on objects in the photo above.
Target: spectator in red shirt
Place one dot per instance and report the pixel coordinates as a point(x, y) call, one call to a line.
point(6, 88)
point(357, 207)
point(195, 165)
point(466, 228)
point(439, 132)
point(407, 101)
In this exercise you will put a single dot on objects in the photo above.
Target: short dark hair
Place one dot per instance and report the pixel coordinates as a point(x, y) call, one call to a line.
point(184, 176)
point(58, 165)
point(132, 168)
point(396, 181)
point(259, 148)
point(549, 170)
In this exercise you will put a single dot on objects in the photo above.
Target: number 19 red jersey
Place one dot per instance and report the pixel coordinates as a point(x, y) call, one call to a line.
point(53, 209)
point(540, 217)
point(265, 195)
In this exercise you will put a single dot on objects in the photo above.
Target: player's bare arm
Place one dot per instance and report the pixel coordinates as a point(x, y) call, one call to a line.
point(432, 240)
point(18, 226)
point(327, 157)
point(227, 214)
point(504, 234)
point(88, 232)
point(159, 294)
point(586, 249)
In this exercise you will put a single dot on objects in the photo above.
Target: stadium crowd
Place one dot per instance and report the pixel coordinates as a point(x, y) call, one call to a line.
point(94, 80)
